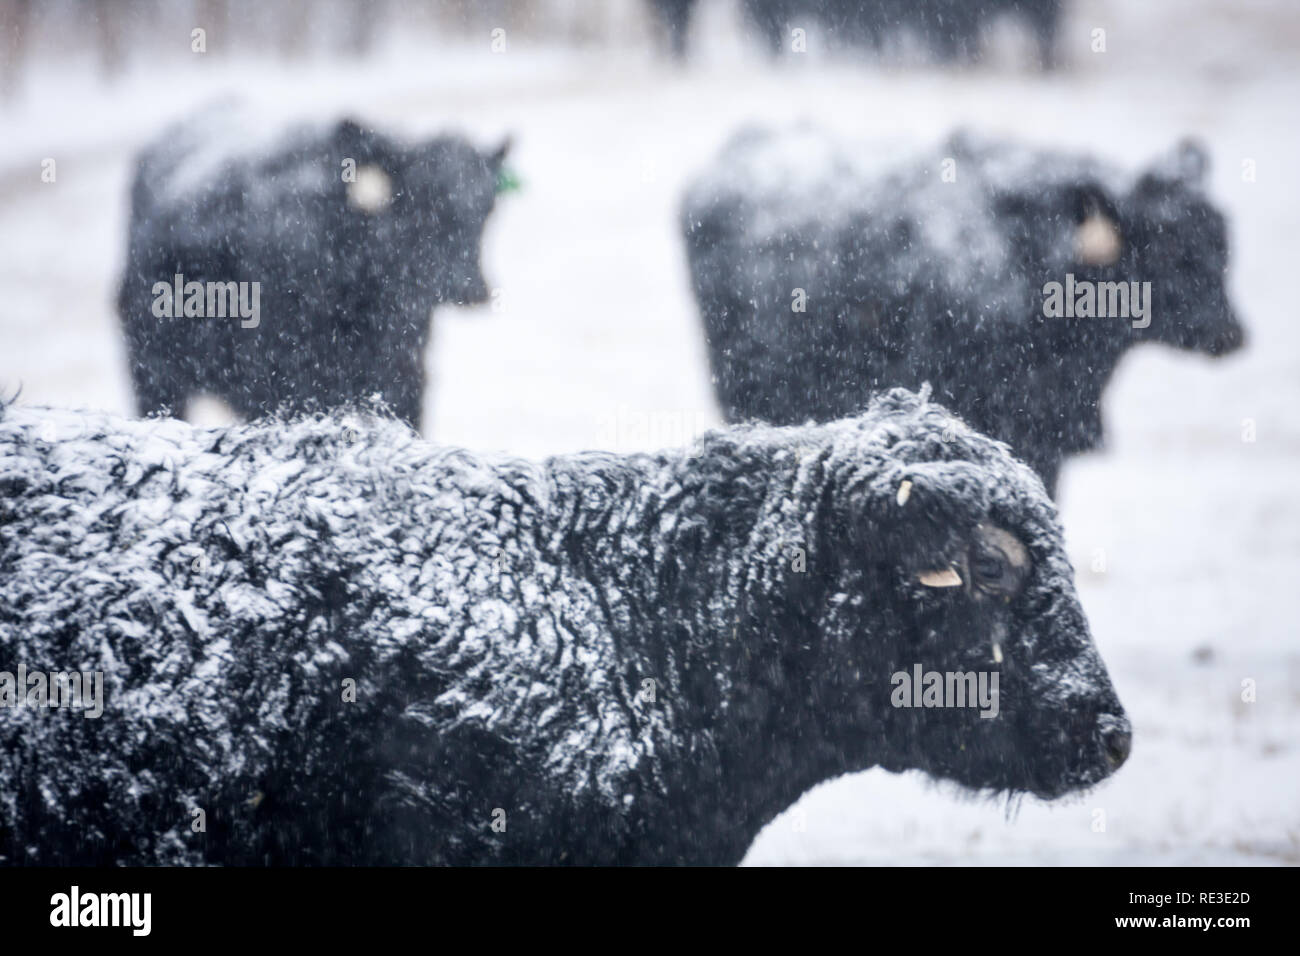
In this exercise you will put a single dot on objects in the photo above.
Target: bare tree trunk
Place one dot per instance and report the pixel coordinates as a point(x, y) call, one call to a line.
point(15, 22)
point(364, 20)
point(110, 27)
point(590, 23)
point(292, 27)
point(214, 17)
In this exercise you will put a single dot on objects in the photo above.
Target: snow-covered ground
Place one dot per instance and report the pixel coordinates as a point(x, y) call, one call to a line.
point(597, 344)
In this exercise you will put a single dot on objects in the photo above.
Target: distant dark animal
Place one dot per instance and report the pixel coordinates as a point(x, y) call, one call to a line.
point(332, 642)
point(820, 281)
point(675, 16)
point(951, 29)
point(351, 237)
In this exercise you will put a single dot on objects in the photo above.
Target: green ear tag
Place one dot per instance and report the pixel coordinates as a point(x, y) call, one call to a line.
point(507, 181)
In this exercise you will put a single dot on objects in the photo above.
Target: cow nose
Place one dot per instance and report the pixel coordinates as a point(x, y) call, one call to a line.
point(1119, 743)
point(473, 291)
point(1229, 340)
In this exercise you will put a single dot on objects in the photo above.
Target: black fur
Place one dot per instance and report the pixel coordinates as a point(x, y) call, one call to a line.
point(636, 659)
point(910, 278)
point(346, 294)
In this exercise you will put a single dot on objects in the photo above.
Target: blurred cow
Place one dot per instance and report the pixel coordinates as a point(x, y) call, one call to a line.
point(951, 29)
point(820, 282)
point(341, 239)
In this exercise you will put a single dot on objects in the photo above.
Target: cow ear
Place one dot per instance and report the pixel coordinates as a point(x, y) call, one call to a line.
point(1191, 162)
point(918, 515)
point(506, 180)
point(497, 157)
point(1099, 235)
point(1186, 164)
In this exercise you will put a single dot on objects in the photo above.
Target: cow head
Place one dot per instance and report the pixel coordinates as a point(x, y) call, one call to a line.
point(1181, 242)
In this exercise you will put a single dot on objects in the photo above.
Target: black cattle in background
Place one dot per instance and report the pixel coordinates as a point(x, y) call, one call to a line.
point(914, 276)
point(351, 236)
point(950, 29)
point(675, 16)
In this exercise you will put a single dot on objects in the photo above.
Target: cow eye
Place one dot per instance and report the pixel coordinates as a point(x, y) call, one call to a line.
point(990, 569)
point(998, 561)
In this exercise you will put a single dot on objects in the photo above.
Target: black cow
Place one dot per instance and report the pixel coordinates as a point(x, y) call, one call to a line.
point(821, 283)
point(950, 28)
point(310, 261)
point(336, 643)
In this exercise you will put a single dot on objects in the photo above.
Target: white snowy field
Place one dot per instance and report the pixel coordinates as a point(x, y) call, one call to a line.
point(597, 344)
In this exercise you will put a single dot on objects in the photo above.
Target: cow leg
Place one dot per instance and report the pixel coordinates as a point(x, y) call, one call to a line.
point(158, 389)
point(406, 397)
point(157, 394)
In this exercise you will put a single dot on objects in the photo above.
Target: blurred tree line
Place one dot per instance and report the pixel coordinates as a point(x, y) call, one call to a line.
point(116, 34)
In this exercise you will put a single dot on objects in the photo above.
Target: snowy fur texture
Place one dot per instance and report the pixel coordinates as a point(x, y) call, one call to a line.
point(623, 659)
point(349, 268)
point(910, 278)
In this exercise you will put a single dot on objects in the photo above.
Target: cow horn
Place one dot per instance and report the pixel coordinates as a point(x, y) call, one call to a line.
point(904, 492)
point(947, 578)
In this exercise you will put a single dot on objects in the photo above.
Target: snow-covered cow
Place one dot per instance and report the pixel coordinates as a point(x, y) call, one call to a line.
point(327, 641)
point(1012, 279)
point(296, 269)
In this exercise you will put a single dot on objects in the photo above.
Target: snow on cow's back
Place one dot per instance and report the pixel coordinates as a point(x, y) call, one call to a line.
point(196, 154)
point(779, 175)
point(771, 185)
point(936, 217)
